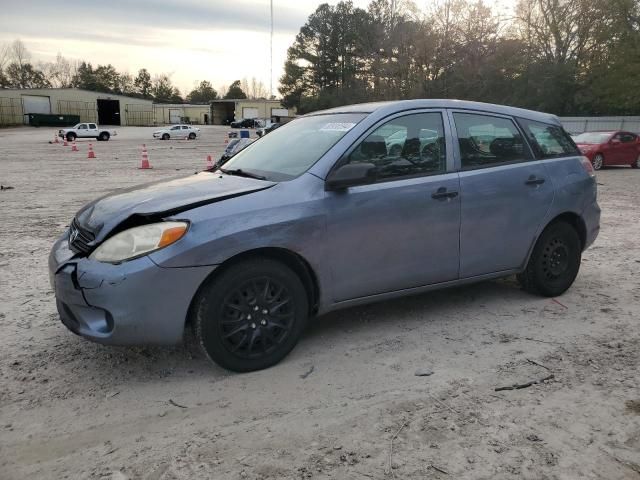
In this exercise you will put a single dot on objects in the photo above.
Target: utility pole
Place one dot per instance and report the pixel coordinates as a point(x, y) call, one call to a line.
point(271, 56)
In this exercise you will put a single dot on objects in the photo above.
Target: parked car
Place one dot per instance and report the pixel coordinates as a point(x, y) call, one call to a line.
point(318, 216)
point(177, 131)
point(247, 123)
point(610, 148)
point(233, 147)
point(269, 128)
point(86, 130)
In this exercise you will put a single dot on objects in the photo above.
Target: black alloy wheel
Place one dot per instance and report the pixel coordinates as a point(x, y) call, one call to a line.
point(251, 315)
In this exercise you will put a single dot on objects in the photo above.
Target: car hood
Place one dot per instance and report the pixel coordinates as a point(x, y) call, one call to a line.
point(153, 201)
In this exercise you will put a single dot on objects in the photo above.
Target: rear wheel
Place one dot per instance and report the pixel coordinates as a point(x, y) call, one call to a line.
point(251, 316)
point(103, 137)
point(165, 136)
point(636, 164)
point(598, 161)
point(555, 261)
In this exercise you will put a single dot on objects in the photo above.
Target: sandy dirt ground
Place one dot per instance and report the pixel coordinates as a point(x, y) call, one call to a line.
point(347, 403)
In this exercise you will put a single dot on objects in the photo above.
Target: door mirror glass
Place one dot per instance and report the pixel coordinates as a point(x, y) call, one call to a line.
point(350, 175)
point(615, 140)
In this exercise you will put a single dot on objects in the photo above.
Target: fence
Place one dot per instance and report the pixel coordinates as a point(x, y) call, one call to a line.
point(139, 115)
point(11, 112)
point(592, 124)
point(85, 110)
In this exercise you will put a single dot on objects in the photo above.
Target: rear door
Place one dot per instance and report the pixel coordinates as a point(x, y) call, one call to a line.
point(505, 193)
point(628, 148)
point(92, 130)
point(402, 230)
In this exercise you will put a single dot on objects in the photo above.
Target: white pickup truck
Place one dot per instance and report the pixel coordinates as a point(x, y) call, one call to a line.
point(86, 130)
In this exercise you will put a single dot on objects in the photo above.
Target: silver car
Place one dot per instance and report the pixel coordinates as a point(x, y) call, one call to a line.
point(322, 214)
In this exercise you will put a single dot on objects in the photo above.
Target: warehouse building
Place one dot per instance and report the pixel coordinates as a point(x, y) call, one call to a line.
point(103, 108)
point(224, 112)
point(16, 106)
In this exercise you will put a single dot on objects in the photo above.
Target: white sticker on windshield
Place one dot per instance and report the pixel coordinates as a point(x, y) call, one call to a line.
point(337, 127)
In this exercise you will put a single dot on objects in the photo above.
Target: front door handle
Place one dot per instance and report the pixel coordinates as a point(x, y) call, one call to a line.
point(442, 193)
point(533, 180)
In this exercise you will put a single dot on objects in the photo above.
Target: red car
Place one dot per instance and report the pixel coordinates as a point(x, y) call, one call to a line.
point(610, 148)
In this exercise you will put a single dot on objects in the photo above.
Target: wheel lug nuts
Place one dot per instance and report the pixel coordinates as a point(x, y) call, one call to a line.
point(253, 325)
point(263, 322)
point(256, 308)
point(249, 317)
point(265, 311)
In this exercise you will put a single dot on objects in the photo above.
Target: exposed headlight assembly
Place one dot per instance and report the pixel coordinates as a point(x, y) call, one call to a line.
point(138, 241)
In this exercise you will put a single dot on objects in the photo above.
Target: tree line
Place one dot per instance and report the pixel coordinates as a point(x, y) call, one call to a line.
point(18, 71)
point(560, 56)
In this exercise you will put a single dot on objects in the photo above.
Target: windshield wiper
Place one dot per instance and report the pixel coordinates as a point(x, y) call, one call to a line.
point(242, 173)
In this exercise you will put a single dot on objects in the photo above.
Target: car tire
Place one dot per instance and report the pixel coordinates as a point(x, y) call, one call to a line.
point(598, 161)
point(71, 136)
point(636, 164)
point(103, 137)
point(192, 136)
point(554, 262)
point(251, 315)
point(165, 136)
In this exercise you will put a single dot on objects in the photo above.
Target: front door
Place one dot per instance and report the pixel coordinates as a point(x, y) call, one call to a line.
point(401, 231)
point(83, 130)
point(505, 194)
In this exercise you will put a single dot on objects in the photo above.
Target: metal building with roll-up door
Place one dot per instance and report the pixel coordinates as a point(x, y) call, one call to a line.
point(36, 104)
point(225, 111)
point(99, 107)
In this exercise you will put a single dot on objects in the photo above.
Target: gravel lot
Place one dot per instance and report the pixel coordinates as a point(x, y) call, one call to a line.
point(347, 403)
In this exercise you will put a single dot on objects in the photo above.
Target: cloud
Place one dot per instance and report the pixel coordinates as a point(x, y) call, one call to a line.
point(48, 18)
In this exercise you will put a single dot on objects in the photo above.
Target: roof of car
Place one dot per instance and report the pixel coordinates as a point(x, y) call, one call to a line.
point(401, 105)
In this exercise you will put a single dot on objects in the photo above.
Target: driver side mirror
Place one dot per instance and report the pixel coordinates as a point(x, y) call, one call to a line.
point(615, 141)
point(350, 175)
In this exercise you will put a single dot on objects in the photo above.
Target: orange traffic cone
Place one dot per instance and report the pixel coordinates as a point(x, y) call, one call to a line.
point(74, 148)
point(209, 162)
point(91, 153)
point(65, 142)
point(55, 138)
point(144, 165)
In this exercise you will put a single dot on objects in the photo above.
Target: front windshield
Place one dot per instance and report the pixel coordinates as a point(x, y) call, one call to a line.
point(592, 138)
point(292, 149)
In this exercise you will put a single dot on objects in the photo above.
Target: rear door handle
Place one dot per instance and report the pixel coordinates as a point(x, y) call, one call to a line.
point(442, 193)
point(533, 180)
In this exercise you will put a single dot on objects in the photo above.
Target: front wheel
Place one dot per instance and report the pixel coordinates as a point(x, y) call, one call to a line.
point(555, 261)
point(636, 164)
point(251, 316)
point(71, 136)
point(598, 161)
point(192, 136)
point(165, 136)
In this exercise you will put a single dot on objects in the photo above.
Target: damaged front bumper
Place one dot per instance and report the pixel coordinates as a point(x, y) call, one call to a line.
point(133, 303)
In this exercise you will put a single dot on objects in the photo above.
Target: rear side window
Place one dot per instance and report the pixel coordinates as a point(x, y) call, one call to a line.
point(92, 126)
point(627, 137)
point(548, 141)
point(488, 141)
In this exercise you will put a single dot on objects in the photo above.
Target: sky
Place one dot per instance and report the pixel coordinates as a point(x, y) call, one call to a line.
point(193, 40)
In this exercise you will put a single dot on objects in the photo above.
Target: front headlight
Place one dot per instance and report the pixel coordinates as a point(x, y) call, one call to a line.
point(139, 241)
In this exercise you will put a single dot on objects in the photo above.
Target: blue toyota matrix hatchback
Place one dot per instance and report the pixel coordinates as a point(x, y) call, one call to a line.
point(336, 208)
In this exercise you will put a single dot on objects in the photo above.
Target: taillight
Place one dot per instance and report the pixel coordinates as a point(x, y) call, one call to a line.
point(587, 165)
